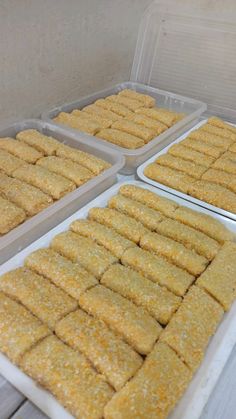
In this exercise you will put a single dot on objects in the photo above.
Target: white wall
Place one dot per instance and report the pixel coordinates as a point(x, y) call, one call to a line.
point(52, 51)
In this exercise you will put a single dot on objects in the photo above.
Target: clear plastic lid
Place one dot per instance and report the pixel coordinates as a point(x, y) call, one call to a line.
point(190, 49)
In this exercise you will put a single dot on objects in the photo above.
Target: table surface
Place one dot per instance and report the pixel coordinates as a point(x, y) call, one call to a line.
point(221, 405)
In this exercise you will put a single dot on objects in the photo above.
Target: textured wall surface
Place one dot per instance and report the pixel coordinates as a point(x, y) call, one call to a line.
point(53, 51)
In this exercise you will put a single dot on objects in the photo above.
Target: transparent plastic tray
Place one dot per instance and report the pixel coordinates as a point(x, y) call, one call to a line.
point(218, 351)
point(141, 175)
point(37, 225)
point(133, 158)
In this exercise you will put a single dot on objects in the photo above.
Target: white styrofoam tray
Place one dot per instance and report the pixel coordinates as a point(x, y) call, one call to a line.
point(219, 349)
point(141, 175)
point(35, 226)
point(133, 158)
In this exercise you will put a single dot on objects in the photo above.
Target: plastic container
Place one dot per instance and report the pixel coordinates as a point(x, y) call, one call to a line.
point(141, 175)
point(133, 158)
point(39, 224)
point(205, 378)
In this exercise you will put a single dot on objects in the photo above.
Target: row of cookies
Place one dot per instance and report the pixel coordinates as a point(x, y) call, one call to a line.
point(202, 165)
point(128, 119)
point(109, 295)
point(36, 170)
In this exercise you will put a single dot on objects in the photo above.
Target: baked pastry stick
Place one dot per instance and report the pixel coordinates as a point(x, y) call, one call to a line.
point(128, 102)
point(221, 178)
point(166, 206)
point(158, 270)
point(146, 134)
point(52, 184)
point(93, 163)
point(9, 163)
point(67, 168)
point(146, 100)
point(175, 252)
point(169, 177)
point(120, 138)
point(222, 132)
point(103, 235)
point(43, 143)
point(166, 118)
point(159, 302)
point(214, 194)
point(29, 198)
point(192, 326)
point(10, 216)
point(108, 353)
point(114, 107)
point(70, 277)
point(205, 148)
point(93, 257)
point(103, 113)
point(189, 237)
point(217, 122)
point(149, 217)
point(185, 166)
point(179, 150)
point(219, 279)
point(102, 122)
point(38, 294)
point(90, 127)
point(154, 390)
point(226, 164)
point(204, 223)
point(213, 139)
point(124, 225)
point(20, 330)
point(156, 126)
point(19, 149)
point(132, 323)
point(233, 148)
point(229, 155)
point(69, 377)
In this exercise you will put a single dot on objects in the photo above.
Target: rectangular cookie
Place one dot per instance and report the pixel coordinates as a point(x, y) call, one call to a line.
point(9, 163)
point(222, 132)
point(102, 122)
point(169, 177)
point(103, 113)
point(149, 217)
point(204, 223)
point(20, 330)
point(221, 178)
point(67, 168)
point(189, 237)
point(20, 150)
point(146, 134)
point(114, 107)
point(124, 225)
point(69, 377)
point(175, 252)
point(167, 118)
point(70, 277)
point(93, 257)
point(52, 184)
point(120, 138)
point(147, 100)
point(103, 235)
point(10, 216)
point(154, 390)
point(225, 164)
point(205, 148)
point(185, 166)
point(219, 279)
point(43, 143)
point(91, 162)
point(38, 294)
point(192, 326)
point(158, 270)
point(130, 103)
point(166, 206)
point(90, 127)
point(27, 197)
point(214, 194)
point(179, 150)
point(213, 139)
point(132, 323)
point(217, 122)
point(156, 126)
point(107, 352)
point(157, 301)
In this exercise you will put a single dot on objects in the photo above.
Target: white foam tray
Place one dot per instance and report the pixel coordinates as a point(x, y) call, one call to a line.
point(219, 349)
point(141, 175)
